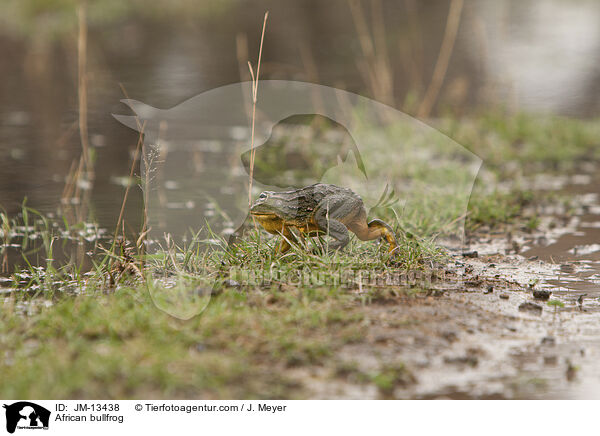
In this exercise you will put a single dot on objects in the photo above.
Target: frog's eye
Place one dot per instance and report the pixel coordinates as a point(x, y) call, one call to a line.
point(263, 196)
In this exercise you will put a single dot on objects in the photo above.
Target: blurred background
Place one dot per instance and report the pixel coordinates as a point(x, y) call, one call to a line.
point(427, 58)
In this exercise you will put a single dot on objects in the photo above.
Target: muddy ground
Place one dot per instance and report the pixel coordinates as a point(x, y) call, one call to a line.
point(487, 330)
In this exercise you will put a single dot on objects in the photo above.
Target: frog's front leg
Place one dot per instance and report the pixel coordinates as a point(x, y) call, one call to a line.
point(327, 218)
point(287, 237)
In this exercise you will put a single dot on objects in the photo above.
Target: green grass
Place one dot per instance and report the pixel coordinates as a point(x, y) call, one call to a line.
point(538, 143)
point(391, 376)
point(120, 345)
point(497, 208)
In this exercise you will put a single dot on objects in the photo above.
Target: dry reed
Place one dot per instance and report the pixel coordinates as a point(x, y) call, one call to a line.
point(441, 66)
point(375, 66)
point(254, 100)
point(82, 89)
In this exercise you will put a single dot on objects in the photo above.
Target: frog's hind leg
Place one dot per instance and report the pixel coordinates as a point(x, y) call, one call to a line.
point(373, 230)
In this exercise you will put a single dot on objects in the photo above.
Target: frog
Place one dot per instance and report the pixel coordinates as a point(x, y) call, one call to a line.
point(316, 210)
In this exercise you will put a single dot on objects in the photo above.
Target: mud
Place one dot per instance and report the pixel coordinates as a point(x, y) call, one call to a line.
point(519, 320)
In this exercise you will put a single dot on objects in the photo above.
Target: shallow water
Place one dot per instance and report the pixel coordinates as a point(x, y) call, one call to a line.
point(577, 251)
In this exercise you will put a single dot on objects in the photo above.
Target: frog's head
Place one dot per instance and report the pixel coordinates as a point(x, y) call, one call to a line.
point(275, 204)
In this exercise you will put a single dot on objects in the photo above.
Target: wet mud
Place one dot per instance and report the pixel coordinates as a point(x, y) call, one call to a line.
point(517, 317)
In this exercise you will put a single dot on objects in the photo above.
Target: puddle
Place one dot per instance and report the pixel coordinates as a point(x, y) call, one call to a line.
point(563, 254)
point(577, 251)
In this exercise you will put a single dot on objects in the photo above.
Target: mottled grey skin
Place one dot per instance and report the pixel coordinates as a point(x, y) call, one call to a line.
point(318, 209)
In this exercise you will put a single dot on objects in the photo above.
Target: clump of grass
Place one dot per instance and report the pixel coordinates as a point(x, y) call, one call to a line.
point(311, 261)
point(50, 256)
point(7, 235)
point(392, 376)
point(497, 208)
point(557, 304)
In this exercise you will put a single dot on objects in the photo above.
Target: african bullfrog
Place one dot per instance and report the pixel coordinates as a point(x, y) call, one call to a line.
point(318, 209)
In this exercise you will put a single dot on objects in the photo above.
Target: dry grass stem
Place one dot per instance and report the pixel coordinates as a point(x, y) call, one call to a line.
point(82, 90)
point(375, 65)
point(254, 99)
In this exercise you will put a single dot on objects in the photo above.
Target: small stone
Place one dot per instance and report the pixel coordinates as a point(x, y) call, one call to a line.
point(471, 254)
point(450, 336)
point(504, 296)
point(490, 289)
point(540, 294)
point(548, 340)
point(516, 247)
point(571, 371)
point(530, 307)
point(468, 359)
